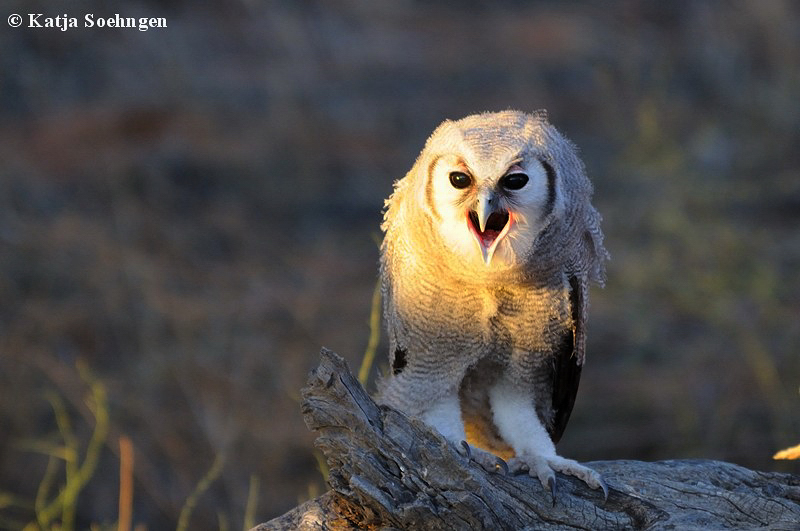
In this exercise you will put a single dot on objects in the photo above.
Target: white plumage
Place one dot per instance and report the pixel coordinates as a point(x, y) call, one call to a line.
point(490, 243)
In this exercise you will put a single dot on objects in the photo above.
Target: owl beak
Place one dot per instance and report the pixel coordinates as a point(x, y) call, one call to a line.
point(484, 210)
point(488, 226)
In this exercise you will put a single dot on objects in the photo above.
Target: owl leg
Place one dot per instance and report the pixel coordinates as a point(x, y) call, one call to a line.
point(519, 425)
point(445, 416)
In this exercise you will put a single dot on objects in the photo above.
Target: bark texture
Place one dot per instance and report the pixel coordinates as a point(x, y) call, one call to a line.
point(389, 471)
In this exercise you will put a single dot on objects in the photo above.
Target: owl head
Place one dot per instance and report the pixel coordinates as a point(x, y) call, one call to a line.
point(499, 190)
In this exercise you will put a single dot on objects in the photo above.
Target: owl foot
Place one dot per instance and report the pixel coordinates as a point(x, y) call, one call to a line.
point(487, 461)
point(544, 468)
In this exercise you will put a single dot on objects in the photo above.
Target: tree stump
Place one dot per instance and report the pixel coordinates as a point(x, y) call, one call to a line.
point(390, 471)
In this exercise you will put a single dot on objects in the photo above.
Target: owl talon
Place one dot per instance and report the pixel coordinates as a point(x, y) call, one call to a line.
point(487, 461)
point(544, 468)
point(551, 482)
point(467, 452)
point(604, 486)
point(503, 465)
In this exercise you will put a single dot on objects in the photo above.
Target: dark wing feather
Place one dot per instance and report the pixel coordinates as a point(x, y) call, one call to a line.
point(569, 360)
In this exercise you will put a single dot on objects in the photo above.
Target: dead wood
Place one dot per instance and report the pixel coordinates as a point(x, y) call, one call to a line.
point(389, 471)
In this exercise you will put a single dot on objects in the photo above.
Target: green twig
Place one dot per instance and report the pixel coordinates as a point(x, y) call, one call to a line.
point(42, 516)
point(322, 465)
point(202, 486)
point(77, 476)
point(374, 335)
point(252, 502)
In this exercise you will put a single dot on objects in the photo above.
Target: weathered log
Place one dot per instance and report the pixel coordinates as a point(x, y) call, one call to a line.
point(389, 471)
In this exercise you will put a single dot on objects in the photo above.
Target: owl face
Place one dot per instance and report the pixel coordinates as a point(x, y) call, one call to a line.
point(490, 210)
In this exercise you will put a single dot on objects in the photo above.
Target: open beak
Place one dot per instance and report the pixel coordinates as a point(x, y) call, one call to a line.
point(487, 225)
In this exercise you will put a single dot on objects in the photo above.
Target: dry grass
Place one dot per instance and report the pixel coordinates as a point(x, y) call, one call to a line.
point(788, 453)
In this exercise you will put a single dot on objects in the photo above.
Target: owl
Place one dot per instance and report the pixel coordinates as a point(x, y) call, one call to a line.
point(490, 243)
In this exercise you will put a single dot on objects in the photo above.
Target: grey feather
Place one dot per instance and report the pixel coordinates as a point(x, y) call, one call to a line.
point(468, 308)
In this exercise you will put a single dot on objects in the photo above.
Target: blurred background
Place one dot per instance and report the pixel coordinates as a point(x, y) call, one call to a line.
point(188, 214)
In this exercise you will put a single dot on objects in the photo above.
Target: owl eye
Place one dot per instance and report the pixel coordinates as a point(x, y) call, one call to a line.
point(514, 181)
point(460, 180)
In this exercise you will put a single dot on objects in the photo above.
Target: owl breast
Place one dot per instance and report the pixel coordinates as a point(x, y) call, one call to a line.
point(522, 322)
point(517, 325)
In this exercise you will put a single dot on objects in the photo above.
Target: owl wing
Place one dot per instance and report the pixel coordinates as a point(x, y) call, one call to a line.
point(568, 360)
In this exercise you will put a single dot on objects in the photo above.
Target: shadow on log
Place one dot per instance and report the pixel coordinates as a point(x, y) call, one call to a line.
point(389, 471)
